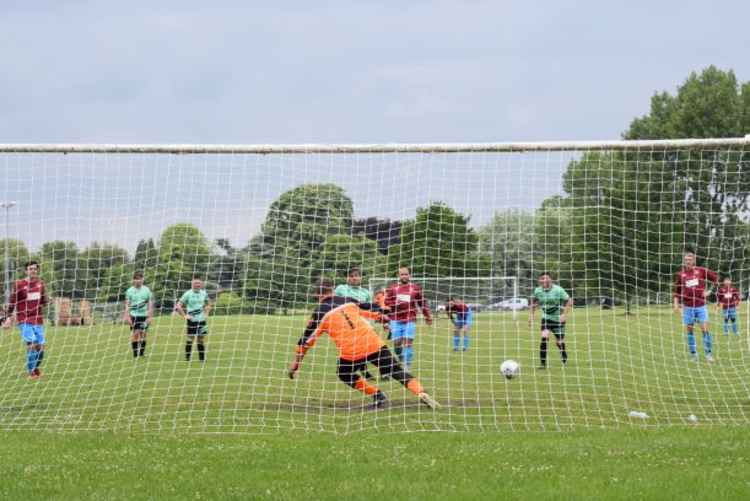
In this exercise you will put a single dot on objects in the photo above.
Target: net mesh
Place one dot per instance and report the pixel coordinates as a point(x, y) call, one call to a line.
point(610, 222)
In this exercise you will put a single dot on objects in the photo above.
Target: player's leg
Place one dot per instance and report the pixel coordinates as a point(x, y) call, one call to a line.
point(192, 332)
point(733, 318)
point(387, 364)
point(134, 336)
point(725, 314)
point(543, 346)
point(467, 324)
point(201, 338)
point(397, 332)
point(142, 337)
point(32, 355)
point(40, 347)
point(688, 318)
point(560, 342)
point(410, 332)
point(347, 371)
point(702, 317)
point(457, 334)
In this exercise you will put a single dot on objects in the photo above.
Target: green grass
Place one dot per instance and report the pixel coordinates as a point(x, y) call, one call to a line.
point(237, 427)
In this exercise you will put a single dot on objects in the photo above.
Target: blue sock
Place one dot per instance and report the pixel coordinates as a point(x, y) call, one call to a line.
point(408, 355)
point(31, 359)
point(734, 327)
point(691, 342)
point(456, 340)
point(726, 327)
point(707, 343)
point(466, 342)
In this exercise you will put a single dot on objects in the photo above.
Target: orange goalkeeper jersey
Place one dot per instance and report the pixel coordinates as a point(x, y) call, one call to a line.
point(344, 321)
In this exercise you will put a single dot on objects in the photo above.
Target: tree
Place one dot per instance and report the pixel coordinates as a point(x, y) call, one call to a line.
point(383, 231)
point(438, 243)
point(297, 224)
point(60, 268)
point(18, 255)
point(340, 252)
point(183, 252)
point(94, 263)
point(506, 242)
point(146, 255)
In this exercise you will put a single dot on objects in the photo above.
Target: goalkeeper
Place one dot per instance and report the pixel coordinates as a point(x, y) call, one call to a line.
point(357, 343)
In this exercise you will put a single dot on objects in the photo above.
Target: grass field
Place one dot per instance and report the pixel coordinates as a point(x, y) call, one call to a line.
point(237, 427)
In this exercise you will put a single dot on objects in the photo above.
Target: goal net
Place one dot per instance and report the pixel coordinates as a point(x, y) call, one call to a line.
point(610, 222)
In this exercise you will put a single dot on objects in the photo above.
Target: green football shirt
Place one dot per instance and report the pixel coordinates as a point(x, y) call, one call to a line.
point(138, 299)
point(194, 302)
point(357, 293)
point(551, 301)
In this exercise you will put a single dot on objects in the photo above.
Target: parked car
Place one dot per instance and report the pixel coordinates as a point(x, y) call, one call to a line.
point(512, 304)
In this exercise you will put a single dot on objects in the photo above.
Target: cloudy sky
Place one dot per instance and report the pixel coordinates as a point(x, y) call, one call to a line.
point(329, 72)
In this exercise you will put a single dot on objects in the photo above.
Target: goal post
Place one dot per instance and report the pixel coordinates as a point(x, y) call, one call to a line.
point(259, 225)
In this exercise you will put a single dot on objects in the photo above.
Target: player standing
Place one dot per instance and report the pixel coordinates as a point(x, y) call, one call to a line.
point(690, 290)
point(28, 299)
point(555, 304)
point(728, 298)
point(403, 299)
point(139, 312)
point(462, 317)
point(194, 307)
point(357, 344)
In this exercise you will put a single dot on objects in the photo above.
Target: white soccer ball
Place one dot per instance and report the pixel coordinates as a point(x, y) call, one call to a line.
point(510, 369)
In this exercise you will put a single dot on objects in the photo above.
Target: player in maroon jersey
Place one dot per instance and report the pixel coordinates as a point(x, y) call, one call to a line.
point(690, 291)
point(27, 300)
point(728, 298)
point(404, 300)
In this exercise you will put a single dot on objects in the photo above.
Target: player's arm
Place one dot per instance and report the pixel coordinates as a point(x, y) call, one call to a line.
point(126, 313)
point(208, 307)
point(150, 313)
point(420, 301)
point(566, 309)
point(181, 310)
point(315, 327)
point(713, 277)
point(677, 294)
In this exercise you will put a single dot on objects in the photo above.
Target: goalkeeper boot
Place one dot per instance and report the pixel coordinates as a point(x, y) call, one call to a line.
point(427, 400)
point(379, 400)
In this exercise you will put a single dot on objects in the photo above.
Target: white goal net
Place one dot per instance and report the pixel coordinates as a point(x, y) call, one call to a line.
point(610, 222)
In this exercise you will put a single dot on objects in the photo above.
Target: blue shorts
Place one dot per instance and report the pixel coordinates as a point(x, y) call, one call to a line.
point(464, 320)
point(32, 333)
point(730, 313)
point(401, 330)
point(693, 314)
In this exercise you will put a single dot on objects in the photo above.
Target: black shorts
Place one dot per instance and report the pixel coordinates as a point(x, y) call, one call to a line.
point(383, 359)
point(138, 324)
point(197, 328)
point(557, 328)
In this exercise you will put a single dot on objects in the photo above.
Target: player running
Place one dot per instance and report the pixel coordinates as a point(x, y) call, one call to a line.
point(357, 344)
point(28, 299)
point(194, 307)
point(403, 299)
point(139, 312)
point(690, 291)
point(555, 304)
point(462, 317)
point(728, 298)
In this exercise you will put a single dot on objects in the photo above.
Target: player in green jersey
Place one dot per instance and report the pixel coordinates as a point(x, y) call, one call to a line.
point(555, 304)
point(194, 306)
point(139, 311)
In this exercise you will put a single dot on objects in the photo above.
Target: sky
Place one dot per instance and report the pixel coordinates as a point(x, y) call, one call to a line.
point(322, 72)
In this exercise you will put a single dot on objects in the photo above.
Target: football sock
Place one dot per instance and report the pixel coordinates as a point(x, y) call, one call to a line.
point(39, 358)
point(726, 325)
point(201, 351)
point(142, 350)
point(734, 326)
point(707, 343)
point(456, 340)
point(543, 352)
point(414, 386)
point(365, 387)
point(31, 359)
point(466, 342)
point(564, 353)
point(408, 356)
point(188, 349)
point(134, 347)
point(691, 342)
